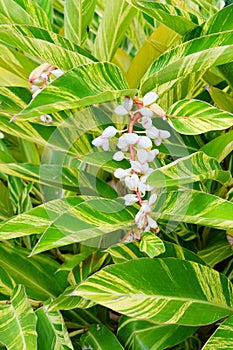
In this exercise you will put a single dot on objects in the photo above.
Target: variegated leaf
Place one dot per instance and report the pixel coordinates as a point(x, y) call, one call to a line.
point(18, 322)
point(134, 334)
point(44, 45)
point(192, 56)
point(70, 220)
point(77, 17)
point(151, 244)
point(196, 167)
point(152, 289)
point(91, 84)
point(177, 19)
point(220, 146)
point(193, 117)
point(116, 20)
point(222, 339)
point(51, 329)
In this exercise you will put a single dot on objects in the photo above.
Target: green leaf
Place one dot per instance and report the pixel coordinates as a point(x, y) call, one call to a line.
point(151, 244)
point(177, 19)
point(196, 167)
point(196, 208)
point(193, 117)
point(77, 16)
point(195, 55)
point(161, 294)
point(91, 84)
point(44, 45)
point(99, 337)
point(23, 12)
point(221, 98)
point(116, 20)
point(7, 283)
point(18, 322)
point(135, 334)
point(217, 248)
point(51, 329)
point(222, 339)
point(220, 21)
point(219, 147)
point(70, 220)
point(124, 252)
point(40, 282)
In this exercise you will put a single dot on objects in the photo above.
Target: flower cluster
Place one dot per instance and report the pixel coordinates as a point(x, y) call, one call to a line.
point(137, 147)
point(42, 76)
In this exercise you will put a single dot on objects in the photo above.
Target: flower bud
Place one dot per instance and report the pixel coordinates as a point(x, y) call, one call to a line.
point(130, 199)
point(131, 138)
point(120, 110)
point(121, 173)
point(110, 131)
point(144, 142)
point(146, 122)
point(149, 98)
point(118, 156)
point(146, 112)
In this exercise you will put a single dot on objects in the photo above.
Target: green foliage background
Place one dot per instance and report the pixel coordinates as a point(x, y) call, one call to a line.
point(66, 279)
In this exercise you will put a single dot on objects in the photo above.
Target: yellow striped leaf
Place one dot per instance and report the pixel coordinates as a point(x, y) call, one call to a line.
point(18, 322)
point(196, 167)
point(222, 339)
point(161, 290)
point(193, 117)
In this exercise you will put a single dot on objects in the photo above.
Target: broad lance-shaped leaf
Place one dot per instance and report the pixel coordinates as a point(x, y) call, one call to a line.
point(195, 55)
point(220, 146)
point(117, 17)
point(179, 20)
point(51, 329)
point(77, 17)
point(151, 244)
point(92, 83)
point(196, 167)
point(222, 339)
point(193, 117)
point(195, 208)
point(70, 220)
point(23, 12)
point(41, 283)
point(44, 45)
point(152, 289)
point(100, 337)
point(18, 322)
point(134, 334)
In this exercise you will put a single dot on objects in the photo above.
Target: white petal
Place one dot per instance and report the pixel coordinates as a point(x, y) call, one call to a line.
point(1, 135)
point(98, 141)
point(164, 134)
point(120, 110)
point(46, 118)
point(127, 103)
point(144, 142)
point(37, 80)
point(145, 168)
point(110, 131)
point(132, 182)
point(122, 143)
point(152, 132)
point(146, 112)
point(105, 145)
point(145, 207)
point(118, 156)
point(149, 98)
point(131, 138)
point(153, 199)
point(36, 93)
point(44, 76)
point(140, 219)
point(121, 173)
point(152, 154)
point(157, 141)
point(146, 122)
point(142, 155)
point(130, 199)
point(136, 166)
point(57, 72)
point(152, 223)
point(34, 88)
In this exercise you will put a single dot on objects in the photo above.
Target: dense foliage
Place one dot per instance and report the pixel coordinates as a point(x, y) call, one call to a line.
point(77, 270)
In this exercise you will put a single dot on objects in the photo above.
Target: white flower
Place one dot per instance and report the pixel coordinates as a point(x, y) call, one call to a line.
point(132, 182)
point(144, 142)
point(146, 122)
point(127, 139)
point(151, 224)
point(143, 187)
point(125, 107)
point(109, 132)
point(142, 218)
point(149, 98)
point(146, 112)
point(118, 156)
point(138, 167)
point(46, 118)
point(130, 199)
point(57, 72)
point(34, 88)
point(121, 173)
